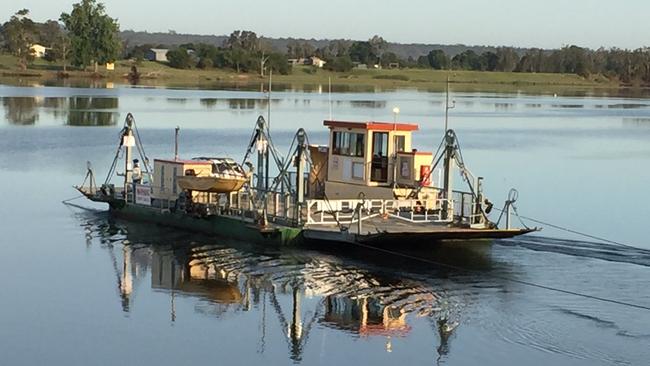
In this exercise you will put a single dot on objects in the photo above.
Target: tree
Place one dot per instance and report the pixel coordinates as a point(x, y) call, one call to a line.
point(18, 34)
point(388, 58)
point(221, 59)
point(49, 32)
point(438, 59)
point(488, 61)
point(278, 62)
point(467, 60)
point(93, 34)
point(507, 59)
point(239, 58)
point(339, 64)
point(378, 45)
point(575, 61)
point(294, 49)
point(263, 54)
point(179, 58)
point(206, 54)
point(245, 51)
point(423, 62)
point(137, 52)
point(60, 50)
point(339, 48)
point(245, 40)
point(362, 52)
point(297, 49)
point(533, 61)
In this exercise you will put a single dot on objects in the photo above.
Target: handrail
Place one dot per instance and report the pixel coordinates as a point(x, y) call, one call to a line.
point(343, 211)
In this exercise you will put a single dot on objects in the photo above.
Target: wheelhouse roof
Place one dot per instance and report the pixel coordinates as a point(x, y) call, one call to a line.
point(372, 125)
point(184, 161)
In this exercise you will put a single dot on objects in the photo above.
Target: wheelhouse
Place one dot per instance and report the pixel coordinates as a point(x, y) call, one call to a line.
point(373, 156)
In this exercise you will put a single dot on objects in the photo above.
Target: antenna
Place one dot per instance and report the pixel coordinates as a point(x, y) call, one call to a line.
point(178, 128)
point(330, 95)
point(268, 115)
point(447, 106)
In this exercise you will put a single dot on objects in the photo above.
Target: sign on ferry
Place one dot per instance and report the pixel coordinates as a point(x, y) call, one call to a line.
point(143, 194)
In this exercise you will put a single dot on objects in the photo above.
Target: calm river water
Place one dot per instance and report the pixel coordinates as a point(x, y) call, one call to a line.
point(79, 288)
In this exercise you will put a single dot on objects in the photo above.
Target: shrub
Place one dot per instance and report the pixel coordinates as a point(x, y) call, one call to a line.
point(339, 64)
point(179, 59)
point(392, 77)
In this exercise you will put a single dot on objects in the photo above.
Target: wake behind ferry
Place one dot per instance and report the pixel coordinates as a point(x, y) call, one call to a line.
point(367, 186)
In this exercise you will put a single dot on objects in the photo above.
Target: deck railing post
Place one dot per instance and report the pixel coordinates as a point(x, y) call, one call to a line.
point(462, 207)
point(287, 203)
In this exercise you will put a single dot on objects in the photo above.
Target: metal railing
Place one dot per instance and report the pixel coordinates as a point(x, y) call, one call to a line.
point(352, 210)
point(465, 209)
point(279, 207)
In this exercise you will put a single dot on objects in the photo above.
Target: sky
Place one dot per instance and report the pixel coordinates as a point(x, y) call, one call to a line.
point(520, 23)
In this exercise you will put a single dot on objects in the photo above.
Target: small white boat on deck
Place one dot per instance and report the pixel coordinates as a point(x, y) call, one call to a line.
point(226, 176)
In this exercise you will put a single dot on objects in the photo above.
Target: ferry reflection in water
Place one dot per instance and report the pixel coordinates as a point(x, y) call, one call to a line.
point(351, 297)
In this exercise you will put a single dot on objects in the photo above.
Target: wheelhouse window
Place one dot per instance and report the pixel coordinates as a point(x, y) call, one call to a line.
point(348, 143)
point(400, 143)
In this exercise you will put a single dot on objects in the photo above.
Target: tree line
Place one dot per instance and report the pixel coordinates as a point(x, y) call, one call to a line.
point(242, 51)
point(624, 65)
point(87, 36)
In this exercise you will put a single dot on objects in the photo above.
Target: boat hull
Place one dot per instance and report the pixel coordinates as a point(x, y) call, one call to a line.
point(225, 226)
point(211, 184)
point(242, 228)
point(411, 239)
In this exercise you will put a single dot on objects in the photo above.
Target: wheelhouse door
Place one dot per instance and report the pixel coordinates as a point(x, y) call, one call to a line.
point(379, 164)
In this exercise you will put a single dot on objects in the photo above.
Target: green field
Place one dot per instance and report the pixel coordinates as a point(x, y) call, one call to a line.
point(159, 74)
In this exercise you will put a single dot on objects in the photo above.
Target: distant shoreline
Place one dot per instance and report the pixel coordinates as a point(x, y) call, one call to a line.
point(158, 74)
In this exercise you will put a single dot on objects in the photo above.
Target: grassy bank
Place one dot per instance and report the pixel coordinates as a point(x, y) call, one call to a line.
point(158, 74)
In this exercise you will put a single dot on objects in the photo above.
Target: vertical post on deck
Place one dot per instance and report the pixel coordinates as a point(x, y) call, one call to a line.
point(300, 172)
point(128, 141)
point(176, 131)
point(447, 206)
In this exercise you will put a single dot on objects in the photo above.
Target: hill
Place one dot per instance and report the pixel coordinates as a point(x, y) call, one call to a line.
point(415, 50)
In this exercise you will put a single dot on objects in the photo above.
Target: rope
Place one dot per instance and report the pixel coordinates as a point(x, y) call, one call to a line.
point(72, 199)
point(140, 146)
point(82, 207)
point(111, 170)
point(571, 230)
point(521, 282)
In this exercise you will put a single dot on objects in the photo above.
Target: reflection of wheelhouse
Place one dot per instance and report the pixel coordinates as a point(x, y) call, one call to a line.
point(375, 158)
point(193, 278)
point(365, 316)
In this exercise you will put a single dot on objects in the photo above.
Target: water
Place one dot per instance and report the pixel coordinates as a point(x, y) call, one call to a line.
point(81, 288)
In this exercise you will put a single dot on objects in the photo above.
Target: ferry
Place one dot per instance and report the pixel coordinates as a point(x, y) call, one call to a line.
point(367, 186)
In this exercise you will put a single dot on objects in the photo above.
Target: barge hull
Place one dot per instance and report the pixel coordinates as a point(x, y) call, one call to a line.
point(224, 226)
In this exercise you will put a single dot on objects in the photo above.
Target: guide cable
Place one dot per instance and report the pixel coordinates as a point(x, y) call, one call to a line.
point(522, 282)
point(608, 241)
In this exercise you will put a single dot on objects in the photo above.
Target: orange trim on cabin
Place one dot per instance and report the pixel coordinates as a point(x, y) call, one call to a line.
point(374, 126)
point(185, 162)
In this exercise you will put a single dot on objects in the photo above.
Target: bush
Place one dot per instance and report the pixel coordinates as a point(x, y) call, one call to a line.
point(205, 63)
point(278, 63)
point(392, 77)
point(339, 64)
point(179, 59)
